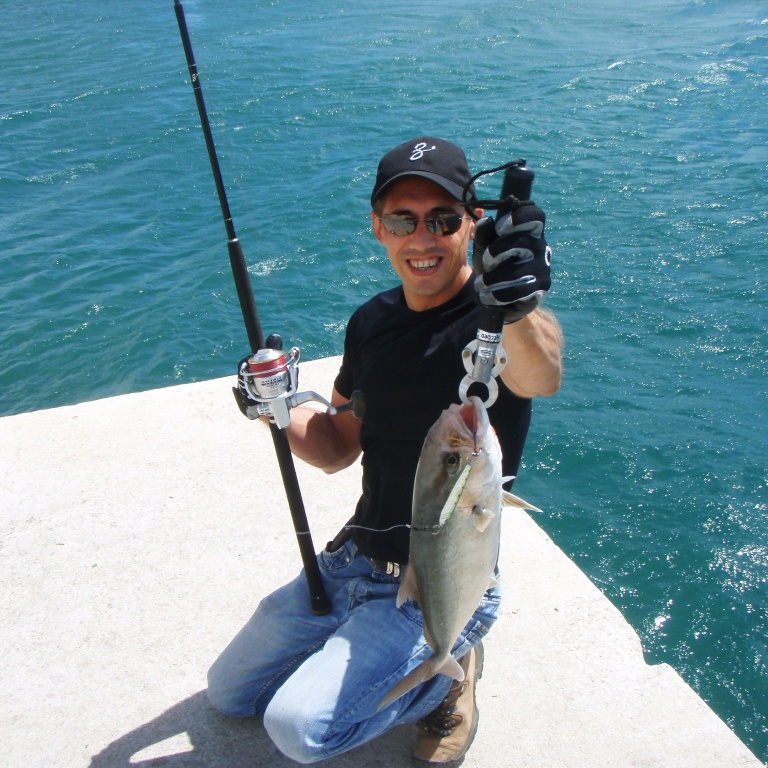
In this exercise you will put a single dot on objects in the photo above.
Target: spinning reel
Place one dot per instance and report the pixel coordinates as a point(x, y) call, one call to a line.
point(267, 384)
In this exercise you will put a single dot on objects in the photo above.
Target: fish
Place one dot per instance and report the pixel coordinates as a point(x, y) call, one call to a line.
point(455, 533)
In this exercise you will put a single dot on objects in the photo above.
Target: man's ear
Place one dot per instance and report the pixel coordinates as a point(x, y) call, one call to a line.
point(479, 214)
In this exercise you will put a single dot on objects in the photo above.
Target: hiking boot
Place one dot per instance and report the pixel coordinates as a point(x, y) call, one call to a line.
point(447, 732)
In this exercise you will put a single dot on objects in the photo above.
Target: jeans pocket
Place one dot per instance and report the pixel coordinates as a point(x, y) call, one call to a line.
point(477, 628)
point(336, 560)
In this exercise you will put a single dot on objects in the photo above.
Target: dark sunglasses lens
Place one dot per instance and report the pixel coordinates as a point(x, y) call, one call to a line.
point(399, 225)
point(444, 224)
point(441, 225)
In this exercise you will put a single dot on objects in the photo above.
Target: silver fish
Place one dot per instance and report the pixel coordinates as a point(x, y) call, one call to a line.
point(455, 533)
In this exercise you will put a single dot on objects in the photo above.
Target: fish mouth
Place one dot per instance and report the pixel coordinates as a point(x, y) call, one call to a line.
point(469, 415)
point(472, 421)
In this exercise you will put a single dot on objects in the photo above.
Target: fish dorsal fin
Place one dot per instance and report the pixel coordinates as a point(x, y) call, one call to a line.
point(481, 517)
point(453, 498)
point(510, 500)
point(409, 589)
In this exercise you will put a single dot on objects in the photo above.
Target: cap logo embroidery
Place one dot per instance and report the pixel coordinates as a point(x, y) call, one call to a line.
point(420, 150)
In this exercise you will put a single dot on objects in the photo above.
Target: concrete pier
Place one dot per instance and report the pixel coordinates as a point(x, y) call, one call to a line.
point(139, 533)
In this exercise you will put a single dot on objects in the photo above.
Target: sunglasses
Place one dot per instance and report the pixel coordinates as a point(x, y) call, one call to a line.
point(441, 224)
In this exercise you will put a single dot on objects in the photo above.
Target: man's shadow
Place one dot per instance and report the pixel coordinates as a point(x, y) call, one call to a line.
point(197, 735)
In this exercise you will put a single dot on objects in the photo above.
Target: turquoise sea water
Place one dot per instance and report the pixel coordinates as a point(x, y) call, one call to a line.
point(646, 126)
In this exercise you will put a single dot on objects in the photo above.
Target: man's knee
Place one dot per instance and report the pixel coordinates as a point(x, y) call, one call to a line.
point(224, 695)
point(298, 734)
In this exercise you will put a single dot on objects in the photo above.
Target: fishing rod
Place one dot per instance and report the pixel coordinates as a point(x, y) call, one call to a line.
point(268, 378)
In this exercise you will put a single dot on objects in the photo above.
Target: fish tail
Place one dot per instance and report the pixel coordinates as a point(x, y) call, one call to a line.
point(425, 671)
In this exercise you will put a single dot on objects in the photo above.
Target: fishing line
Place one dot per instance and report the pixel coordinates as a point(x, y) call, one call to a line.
point(350, 526)
point(434, 528)
point(376, 530)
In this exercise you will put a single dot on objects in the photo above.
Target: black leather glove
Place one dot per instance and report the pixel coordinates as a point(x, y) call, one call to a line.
point(512, 261)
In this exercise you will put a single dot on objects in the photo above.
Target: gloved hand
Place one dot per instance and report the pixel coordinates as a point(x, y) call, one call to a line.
point(512, 261)
point(247, 405)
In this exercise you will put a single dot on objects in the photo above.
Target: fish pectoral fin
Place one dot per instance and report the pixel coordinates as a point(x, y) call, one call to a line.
point(494, 582)
point(510, 500)
point(481, 517)
point(409, 589)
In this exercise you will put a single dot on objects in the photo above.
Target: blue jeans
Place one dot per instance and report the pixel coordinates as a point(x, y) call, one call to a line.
point(318, 680)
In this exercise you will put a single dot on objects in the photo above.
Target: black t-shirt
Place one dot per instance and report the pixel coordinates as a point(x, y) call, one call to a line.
point(408, 365)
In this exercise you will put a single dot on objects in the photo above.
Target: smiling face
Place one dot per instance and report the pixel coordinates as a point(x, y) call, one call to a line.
point(432, 268)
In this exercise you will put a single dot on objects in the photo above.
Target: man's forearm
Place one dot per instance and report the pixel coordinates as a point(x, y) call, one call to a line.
point(327, 442)
point(534, 349)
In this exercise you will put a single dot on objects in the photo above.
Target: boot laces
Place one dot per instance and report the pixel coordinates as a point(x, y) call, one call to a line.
point(443, 720)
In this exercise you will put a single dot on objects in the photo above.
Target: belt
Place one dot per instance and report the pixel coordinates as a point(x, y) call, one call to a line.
point(386, 566)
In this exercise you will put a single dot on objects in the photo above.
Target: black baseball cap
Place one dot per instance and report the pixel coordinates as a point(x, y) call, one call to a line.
point(428, 157)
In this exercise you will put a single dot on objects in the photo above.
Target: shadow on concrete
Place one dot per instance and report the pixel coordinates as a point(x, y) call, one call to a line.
point(192, 734)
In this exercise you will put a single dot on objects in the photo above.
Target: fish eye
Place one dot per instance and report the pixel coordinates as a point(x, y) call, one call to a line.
point(452, 462)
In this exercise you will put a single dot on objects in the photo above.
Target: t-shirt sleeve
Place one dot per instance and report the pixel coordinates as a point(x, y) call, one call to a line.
point(344, 383)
